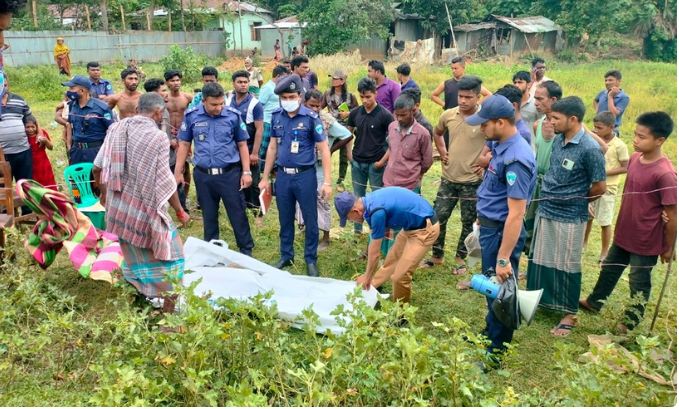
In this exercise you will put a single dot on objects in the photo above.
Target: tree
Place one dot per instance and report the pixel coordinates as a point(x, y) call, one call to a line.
point(435, 16)
point(103, 9)
point(334, 24)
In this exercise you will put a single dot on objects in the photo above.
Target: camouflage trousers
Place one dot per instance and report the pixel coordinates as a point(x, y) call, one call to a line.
point(446, 199)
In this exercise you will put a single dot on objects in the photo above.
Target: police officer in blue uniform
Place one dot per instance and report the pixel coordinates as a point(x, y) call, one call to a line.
point(221, 164)
point(99, 87)
point(503, 197)
point(89, 118)
point(296, 134)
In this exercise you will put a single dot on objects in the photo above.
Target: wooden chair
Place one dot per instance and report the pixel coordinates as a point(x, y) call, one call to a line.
point(7, 183)
point(6, 216)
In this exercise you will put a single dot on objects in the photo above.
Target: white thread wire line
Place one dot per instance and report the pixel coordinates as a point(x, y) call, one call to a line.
point(598, 265)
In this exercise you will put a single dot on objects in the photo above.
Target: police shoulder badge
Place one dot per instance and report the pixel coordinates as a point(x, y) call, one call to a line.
point(107, 116)
point(242, 126)
point(319, 129)
point(511, 178)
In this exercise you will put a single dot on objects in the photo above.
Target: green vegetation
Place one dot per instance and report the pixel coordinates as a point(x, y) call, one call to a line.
point(69, 341)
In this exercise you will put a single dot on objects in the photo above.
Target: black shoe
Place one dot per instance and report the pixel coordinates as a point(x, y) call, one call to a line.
point(283, 263)
point(312, 270)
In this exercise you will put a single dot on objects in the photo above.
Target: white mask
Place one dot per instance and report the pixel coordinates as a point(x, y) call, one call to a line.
point(290, 106)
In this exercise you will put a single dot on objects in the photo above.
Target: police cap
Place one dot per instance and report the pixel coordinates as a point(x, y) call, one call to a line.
point(291, 83)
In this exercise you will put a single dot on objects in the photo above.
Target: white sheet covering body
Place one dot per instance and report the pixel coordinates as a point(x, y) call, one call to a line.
point(222, 276)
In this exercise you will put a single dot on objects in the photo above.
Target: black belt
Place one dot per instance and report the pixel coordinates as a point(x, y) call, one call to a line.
point(294, 171)
point(433, 219)
point(87, 145)
point(218, 171)
point(491, 224)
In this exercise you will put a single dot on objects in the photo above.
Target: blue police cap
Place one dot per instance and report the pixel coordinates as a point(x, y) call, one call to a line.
point(493, 107)
point(78, 80)
point(343, 204)
point(291, 83)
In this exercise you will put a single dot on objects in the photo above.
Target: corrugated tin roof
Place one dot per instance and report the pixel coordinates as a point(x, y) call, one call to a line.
point(288, 22)
point(475, 26)
point(213, 6)
point(534, 24)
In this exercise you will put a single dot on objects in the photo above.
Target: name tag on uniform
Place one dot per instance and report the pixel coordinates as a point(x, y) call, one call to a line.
point(200, 124)
point(294, 147)
point(567, 164)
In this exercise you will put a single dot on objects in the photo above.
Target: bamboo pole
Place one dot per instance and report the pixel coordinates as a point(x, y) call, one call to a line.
point(34, 9)
point(452, 32)
point(662, 290)
point(87, 16)
point(122, 16)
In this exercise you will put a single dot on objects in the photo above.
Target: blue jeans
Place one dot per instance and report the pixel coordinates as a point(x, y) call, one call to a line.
point(21, 165)
point(361, 174)
point(490, 239)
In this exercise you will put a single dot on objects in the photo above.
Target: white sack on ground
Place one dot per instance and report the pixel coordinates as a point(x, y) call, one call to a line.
point(230, 274)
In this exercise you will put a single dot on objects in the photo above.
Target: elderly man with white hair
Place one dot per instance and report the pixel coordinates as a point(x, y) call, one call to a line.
point(136, 186)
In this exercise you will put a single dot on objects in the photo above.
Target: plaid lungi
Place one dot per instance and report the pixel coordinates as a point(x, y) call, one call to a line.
point(149, 275)
point(556, 266)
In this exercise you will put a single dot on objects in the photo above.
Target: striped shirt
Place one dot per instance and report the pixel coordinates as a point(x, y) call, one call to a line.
point(13, 137)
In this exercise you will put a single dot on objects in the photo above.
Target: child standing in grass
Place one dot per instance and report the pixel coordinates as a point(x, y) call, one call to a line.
point(40, 141)
point(617, 157)
point(640, 233)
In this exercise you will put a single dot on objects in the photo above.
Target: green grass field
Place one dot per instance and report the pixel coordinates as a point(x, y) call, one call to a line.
point(652, 86)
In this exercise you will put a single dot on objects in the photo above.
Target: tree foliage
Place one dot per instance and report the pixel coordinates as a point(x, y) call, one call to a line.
point(334, 24)
point(435, 16)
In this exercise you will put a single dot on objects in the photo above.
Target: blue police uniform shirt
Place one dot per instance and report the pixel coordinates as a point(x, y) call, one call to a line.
point(511, 173)
point(103, 87)
point(215, 138)
point(395, 208)
point(305, 128)
point(523, 129)
point(90, 122)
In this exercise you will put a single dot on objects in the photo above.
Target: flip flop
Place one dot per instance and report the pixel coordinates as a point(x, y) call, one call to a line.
point(565, 327)
point(457, 268)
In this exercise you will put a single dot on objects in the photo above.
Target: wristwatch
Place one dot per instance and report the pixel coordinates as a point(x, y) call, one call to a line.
point(247, 173)
point(502, 262)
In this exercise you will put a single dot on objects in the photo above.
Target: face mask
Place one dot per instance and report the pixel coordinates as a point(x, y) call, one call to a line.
point(290, 106)
point(73, 95)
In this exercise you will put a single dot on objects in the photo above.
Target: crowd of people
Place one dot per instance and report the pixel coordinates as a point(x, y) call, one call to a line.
point(520, 163)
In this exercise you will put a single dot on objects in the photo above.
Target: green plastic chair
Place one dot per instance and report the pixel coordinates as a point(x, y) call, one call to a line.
point(79, 178)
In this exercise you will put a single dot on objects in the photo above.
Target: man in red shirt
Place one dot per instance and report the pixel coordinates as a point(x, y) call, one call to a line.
point(410, 148)
point(650, 189)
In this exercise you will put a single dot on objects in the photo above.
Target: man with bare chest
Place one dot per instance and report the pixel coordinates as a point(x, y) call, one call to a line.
point(177, 103)
point(126, 100)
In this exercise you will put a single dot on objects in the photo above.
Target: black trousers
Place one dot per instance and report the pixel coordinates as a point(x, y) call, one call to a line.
point(612, 268)
point(211, 189)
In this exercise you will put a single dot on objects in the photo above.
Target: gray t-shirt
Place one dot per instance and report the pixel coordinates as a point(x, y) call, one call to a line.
point(13, 137)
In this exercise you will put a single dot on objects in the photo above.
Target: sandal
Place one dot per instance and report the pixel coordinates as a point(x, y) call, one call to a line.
point(459, 270)
point(566, 325)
